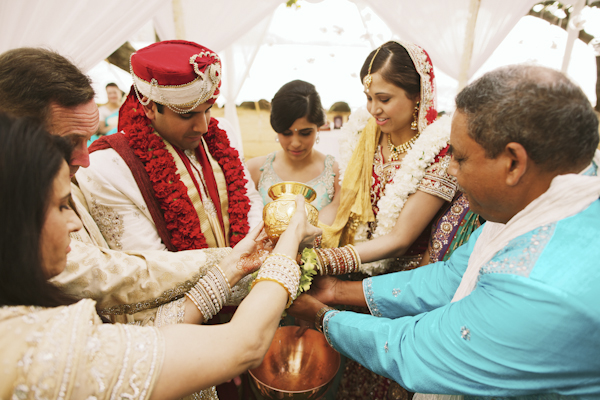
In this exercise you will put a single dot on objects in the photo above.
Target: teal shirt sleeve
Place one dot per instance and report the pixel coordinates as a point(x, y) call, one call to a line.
point(514, 335)
point(419, 290)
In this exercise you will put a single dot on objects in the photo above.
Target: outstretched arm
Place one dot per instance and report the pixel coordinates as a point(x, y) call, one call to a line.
point(494, 342)
point(416, 216)
point(191, 351)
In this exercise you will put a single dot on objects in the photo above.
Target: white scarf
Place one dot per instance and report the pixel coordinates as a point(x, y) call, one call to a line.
point(567, 195)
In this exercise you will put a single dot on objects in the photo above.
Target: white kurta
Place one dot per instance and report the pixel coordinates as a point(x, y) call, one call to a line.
point(118, 207)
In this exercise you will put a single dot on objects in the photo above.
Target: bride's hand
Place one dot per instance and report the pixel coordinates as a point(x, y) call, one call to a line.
point(253, 241)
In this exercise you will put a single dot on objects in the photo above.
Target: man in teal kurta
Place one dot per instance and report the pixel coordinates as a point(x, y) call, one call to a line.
point(516, 310)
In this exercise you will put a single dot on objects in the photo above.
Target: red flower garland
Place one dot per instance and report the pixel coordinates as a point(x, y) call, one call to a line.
point(229, 160)
point(179, 213)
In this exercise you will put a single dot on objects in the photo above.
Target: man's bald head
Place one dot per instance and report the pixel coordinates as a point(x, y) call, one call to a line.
point(537, 107)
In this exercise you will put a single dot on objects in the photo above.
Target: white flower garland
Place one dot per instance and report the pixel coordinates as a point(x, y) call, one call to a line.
point(406, 179)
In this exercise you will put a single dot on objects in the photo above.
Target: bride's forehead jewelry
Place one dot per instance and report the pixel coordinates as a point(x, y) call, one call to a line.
point(368, 79)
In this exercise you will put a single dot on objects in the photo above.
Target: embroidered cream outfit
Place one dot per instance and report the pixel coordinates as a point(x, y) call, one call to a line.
point(68, 353)
point(142, 288)
point(110, 189)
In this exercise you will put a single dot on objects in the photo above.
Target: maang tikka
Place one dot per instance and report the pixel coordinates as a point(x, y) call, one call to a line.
point(368, 79)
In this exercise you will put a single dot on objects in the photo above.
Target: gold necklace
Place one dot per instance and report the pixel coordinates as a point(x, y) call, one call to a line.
point(395, 151)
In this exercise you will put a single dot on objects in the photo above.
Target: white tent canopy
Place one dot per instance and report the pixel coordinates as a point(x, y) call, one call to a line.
point(460, 35)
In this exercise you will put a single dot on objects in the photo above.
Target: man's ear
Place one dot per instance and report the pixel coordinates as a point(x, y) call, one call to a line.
point(149, 109)
point(516, 163)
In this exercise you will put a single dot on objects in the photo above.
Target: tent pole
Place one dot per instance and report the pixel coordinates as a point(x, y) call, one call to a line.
point(231, 113)
point(178, 20)
point(465, 63)
point(573, 33)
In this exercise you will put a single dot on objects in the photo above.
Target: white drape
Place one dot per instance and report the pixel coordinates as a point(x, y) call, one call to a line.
point(214, 24)
point(439, 27)
point(85, 31)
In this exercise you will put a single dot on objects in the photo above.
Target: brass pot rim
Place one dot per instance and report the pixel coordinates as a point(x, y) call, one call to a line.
point(308, 192)
point(338, 362)
point(296, 391)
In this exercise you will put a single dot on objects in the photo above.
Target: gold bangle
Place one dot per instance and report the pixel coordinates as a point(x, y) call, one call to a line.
point(264, 279)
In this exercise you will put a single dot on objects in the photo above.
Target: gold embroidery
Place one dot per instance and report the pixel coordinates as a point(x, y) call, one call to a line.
point(222, 189)
point(213, 256)
point(170, 313)
point(110, 360)
point(437, 182)
point(109, 223)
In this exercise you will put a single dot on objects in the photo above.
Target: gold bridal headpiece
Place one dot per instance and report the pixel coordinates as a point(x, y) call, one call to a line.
point(368, 79)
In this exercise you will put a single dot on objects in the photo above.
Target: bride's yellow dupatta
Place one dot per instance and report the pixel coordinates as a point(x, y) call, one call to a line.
point(355, 204)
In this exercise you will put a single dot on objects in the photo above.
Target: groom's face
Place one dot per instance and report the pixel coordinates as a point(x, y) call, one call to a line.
point(183, 131)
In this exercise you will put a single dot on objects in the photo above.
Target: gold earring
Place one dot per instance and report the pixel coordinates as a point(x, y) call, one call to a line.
point(415, 124)
point(368, 79)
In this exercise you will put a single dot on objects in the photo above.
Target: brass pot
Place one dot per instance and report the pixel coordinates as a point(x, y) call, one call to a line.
point(296, 367)
point(278, 213)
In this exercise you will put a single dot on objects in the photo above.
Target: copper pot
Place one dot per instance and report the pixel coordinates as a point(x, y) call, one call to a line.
point(296, 367)
point(278, 213)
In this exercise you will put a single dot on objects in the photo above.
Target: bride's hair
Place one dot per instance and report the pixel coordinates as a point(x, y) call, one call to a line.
point(395, 66)
point(30, 159)
point(296, 99)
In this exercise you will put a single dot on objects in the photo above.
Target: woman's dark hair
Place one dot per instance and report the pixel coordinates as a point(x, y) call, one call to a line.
point(30, 159)
point(395, 66)
point(296, 99)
